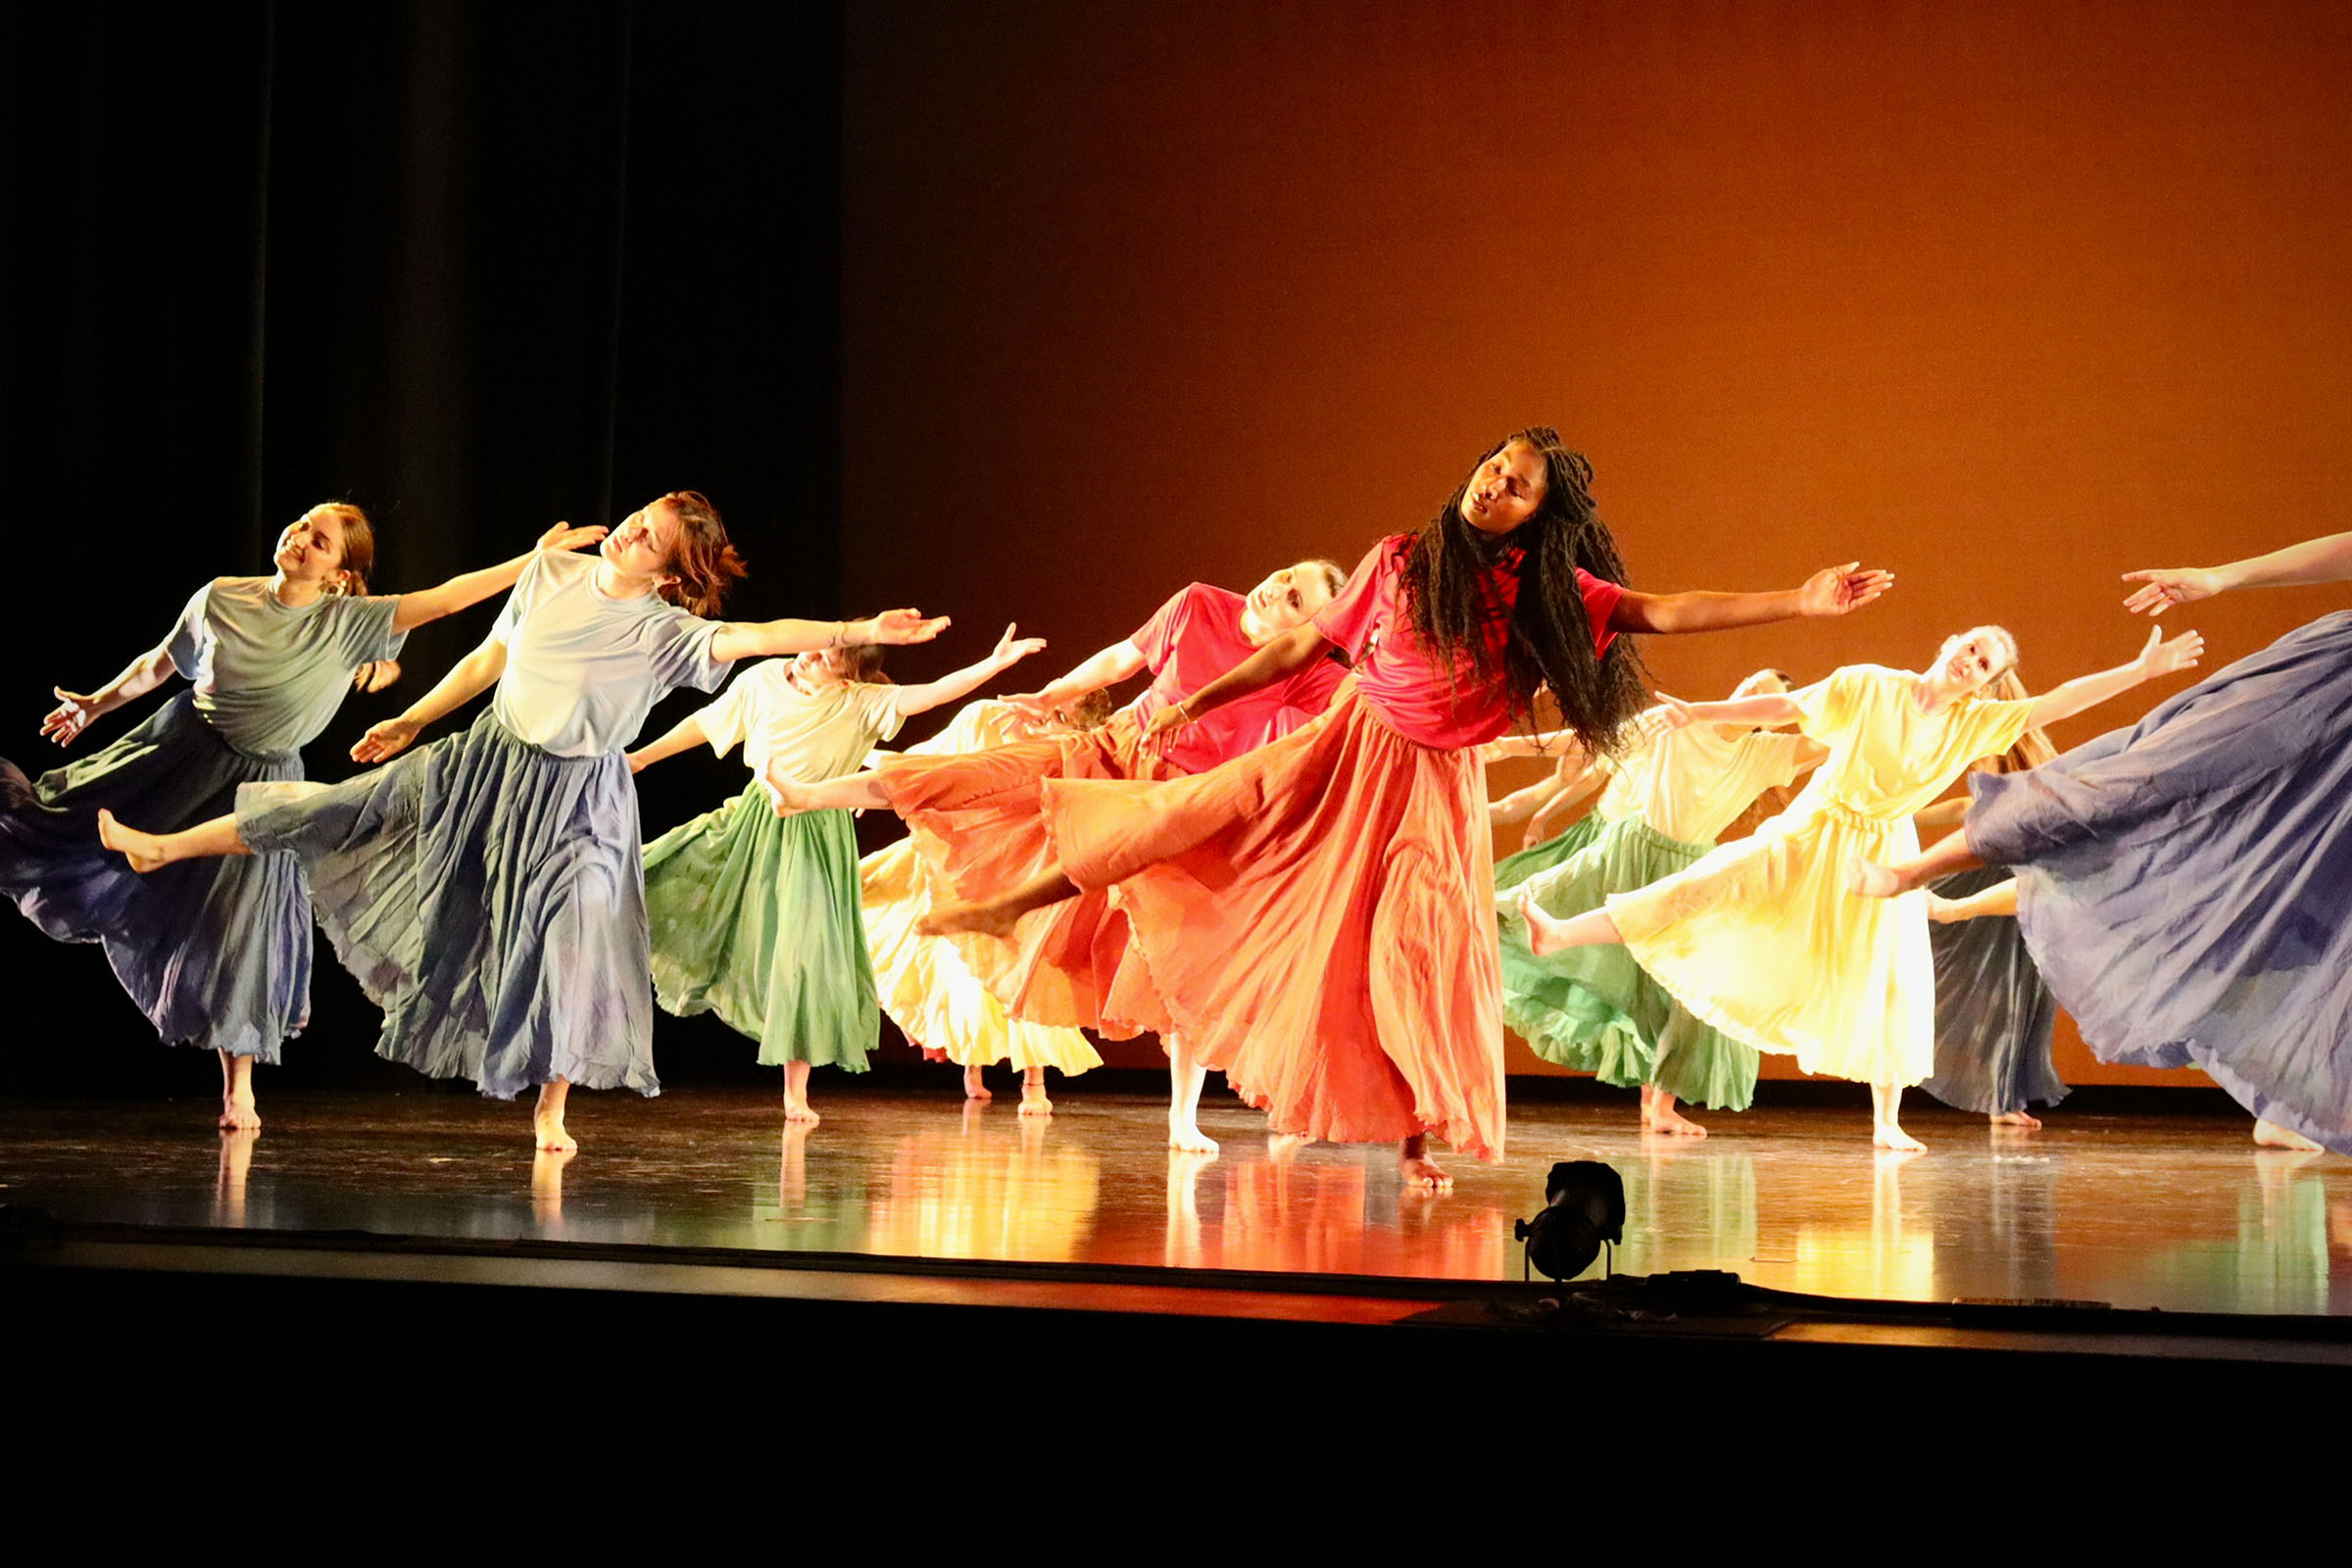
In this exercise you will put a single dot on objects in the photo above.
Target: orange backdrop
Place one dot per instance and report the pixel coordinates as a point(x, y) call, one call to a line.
point(2008, 298)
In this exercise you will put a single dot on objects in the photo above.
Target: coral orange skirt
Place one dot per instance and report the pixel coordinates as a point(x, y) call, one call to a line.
point(1316, 919)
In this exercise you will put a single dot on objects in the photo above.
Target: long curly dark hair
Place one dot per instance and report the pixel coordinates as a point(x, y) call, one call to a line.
point(1551, 642)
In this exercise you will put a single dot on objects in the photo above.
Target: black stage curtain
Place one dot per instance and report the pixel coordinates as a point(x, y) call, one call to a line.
point(475, 267)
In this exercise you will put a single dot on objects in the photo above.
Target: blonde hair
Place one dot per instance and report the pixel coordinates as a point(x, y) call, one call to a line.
point(2032, 747)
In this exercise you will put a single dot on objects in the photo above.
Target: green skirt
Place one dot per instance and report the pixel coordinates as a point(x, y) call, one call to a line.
point(754, 917)
point(1595, 1008)
point(1513, 869)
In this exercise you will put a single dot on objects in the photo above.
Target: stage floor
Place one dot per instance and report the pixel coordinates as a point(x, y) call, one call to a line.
point(2179, 1211)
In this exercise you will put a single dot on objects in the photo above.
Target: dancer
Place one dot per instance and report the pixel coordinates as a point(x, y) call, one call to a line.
point(2180, 883)
point(488, 890)
point(1544, 806)
point(925, 985)
point(218, 957)
point(976, 819)
point(755, 916)
point(1993, 1015)
point(1313, 915)
point(1760, 938)
point(1594, 1007)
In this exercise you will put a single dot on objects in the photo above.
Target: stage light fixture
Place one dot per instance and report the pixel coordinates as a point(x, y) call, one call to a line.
point(1584, 1207)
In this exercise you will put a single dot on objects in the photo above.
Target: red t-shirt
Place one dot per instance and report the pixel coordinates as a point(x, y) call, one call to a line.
point(1192, 640)
point(1397, 673)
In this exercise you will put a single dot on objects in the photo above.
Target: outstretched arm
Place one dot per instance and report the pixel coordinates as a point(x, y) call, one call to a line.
point(1832, 591)
point(2327, 559)
point(470, 588)
point(1107, 666)
point(75, 710)
point(1672, 712)
point(466, 679)
point(684, 736)
point(2157, 658)
point(766, 639)
point(1277, 661)
point(1009, 650)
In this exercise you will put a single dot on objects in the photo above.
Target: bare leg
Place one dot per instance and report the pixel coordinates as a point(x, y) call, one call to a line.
point(2270, 1135)
point(852, 792)
point(1886, 1127)
point(1941, 859)
point(236, 1093)
point(1549, 933)
point(1033, 1093)
point(546, 1118)
point(1419, 1170)
point(996, 917)
point(1184, 1078)
point(147, 851)
point(973, 1088)
point(1660, 1115)
point(2016, 1118)
point(796, 1094)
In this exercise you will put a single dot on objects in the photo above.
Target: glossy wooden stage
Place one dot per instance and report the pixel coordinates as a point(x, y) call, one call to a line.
point(2171, 1211)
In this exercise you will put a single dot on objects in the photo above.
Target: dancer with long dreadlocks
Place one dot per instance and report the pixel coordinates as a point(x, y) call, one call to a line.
point(2181, 882)
point(1313, 915)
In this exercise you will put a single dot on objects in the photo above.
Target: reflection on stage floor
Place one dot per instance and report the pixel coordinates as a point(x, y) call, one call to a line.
point(2171, 1211)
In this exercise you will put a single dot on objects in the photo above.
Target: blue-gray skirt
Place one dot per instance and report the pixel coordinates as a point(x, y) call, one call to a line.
point(1993, 1015)
point(217, 953)
point(2182, 883)
point(490, 897)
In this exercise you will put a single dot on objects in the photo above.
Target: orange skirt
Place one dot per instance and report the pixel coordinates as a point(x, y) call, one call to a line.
point(975, 820)
point(1315, 917)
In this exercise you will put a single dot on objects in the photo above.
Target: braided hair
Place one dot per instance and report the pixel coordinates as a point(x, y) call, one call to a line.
point(1449, 604)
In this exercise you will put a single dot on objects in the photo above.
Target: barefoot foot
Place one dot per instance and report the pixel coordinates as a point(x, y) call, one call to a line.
point(548, 1130)
point(973, 1088)
point(1283, 1148)
point(796, 1108)
point(1886, 1135)
point(1419, 1170)
point(2016, 1118)
point(1186, 1137)
point(1034, 1104)
point(2270, 1135)
point(238, 1115)
point(1666, 1120)
point(142, 850)
point(1543, 931)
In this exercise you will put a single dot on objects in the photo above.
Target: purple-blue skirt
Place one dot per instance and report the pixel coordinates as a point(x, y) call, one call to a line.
point(2183, 884)
point(217, 953)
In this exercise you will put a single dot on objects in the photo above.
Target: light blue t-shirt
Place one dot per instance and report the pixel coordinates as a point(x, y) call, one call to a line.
point(584, 669)
point(270, 676)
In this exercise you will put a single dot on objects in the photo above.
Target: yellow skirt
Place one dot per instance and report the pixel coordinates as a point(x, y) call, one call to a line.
point(1762, 940)
point(936, 1002)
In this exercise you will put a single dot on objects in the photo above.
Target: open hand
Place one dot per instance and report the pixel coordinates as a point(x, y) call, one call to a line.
point(1168, 721)
point(2161, 657)
point(897, 627)
point(70, 717)
point(1669, 713)
point(375, 674)
point(1835, 590)
point(387, 739)
point(1011, 650)
point(563, 537)
point(1038, 707)
point(2164, 587)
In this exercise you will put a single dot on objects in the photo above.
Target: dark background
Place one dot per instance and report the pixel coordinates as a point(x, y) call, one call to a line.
point(1042, 309)
point(476, 267)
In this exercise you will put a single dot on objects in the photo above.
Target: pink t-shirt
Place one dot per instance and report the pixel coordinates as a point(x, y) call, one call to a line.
point(1192, 640)
point(1397, 673)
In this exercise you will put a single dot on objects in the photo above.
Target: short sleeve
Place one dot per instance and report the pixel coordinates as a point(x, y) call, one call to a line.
point(364, 626)
point(1158, 636)
point(724, 722)
point(187, 642)
point(877, 708)
point(1988, 728)
point(681, 651)
point(1772, 754)
point(1352, 615)
point(1826, 708)
point(1601, 602)
point(519, 598)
